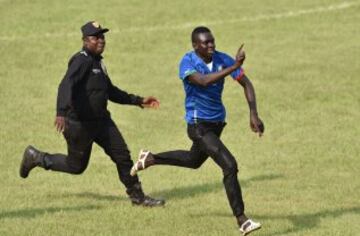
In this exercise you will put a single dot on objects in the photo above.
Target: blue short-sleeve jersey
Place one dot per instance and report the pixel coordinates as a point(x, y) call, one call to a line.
point(204, 103)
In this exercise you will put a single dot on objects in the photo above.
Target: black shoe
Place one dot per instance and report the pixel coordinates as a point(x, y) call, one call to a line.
point(138, 197)
point(31, 159)
point(147, 201)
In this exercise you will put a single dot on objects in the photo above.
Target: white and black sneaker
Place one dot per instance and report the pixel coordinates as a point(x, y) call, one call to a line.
point(145, 160)
point(249, 226)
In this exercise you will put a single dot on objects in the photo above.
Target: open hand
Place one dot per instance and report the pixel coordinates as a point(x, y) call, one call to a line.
point(60, 123)
point(150, 102)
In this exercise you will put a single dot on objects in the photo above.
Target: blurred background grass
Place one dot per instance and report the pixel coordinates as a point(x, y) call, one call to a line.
point(301, 178)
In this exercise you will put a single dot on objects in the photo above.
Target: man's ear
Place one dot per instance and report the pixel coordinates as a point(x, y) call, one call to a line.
point(195, 46)
point(85, 40)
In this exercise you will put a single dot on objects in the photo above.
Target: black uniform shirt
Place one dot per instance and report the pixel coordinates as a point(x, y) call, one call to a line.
point(86, 87)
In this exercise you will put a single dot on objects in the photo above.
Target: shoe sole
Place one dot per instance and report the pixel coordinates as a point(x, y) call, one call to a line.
point(162, 203)
point(148, 206)
point(252, 231)
point(22, 168)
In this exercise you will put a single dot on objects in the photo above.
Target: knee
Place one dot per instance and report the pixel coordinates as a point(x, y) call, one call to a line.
point(226, 160)
point(196, 159)
point(79, 171)
point(121, 157)
point(230, 168)
point(76, 164)
point(196, 165)
point(230, 171)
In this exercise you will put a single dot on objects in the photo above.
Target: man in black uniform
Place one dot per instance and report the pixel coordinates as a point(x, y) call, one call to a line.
point(83, 118)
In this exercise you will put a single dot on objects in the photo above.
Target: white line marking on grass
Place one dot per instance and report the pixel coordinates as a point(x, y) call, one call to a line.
point(261, 17)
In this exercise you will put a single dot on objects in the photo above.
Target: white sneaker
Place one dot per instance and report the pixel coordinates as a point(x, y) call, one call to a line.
point(249, 226)
point(140, 164)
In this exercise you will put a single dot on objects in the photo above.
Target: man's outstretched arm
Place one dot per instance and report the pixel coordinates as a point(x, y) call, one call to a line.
point(206, 80)
point(256, 124)
point(122, 97)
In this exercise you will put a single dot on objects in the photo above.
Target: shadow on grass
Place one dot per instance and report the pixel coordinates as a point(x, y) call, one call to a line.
point(308, 221)
point(299, 222)
point(199, 189)
point(96, 196)
point(34, 212)
point(174, 193)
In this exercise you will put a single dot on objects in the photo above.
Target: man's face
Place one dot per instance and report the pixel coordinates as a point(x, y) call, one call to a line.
point(95, 44)
point(204, 45)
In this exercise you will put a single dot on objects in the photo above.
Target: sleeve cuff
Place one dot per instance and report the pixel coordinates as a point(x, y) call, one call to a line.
point(60, 113)
point(187, 73)
point(240, 76)
point(138, 101)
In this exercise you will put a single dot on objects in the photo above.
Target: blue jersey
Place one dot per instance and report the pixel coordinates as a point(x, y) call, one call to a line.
point(204, 103)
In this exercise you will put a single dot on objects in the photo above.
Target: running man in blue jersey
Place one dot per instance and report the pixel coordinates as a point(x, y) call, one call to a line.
point(203, 73)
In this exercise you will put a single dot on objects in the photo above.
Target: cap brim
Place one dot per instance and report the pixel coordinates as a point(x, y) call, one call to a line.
point(100, 31)
point(104, 30)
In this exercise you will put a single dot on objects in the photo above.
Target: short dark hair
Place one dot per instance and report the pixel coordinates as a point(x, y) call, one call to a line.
point(199, 30)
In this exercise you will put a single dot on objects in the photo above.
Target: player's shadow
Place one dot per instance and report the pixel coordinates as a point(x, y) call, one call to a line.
point(34, 212)
point(299, 222)
point(95, 196)
point(307, 221)
point(174, 193)
point(200, 189)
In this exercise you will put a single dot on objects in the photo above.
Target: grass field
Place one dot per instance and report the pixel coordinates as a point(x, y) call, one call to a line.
point(301, 178)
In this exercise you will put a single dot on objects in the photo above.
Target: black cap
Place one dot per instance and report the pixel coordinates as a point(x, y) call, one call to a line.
point(92, 28)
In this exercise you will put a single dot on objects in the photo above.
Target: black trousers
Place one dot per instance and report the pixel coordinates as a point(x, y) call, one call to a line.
point(80, 136)
point(206, 142)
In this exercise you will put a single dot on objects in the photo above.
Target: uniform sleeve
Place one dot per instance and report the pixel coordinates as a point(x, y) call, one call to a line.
point(186, 68)
point(77, 69)
point(238, 74)
point(119, 96)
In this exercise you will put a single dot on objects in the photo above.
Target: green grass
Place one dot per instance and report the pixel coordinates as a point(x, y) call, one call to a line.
point(301, 178)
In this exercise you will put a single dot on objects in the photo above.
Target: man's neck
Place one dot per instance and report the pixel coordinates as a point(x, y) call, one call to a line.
point(92, 53)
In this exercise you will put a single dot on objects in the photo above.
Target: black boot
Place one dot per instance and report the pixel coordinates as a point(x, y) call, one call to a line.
point(31, 158)
point(138, 197)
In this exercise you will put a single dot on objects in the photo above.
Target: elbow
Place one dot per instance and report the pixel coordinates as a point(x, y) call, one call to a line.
point(200, 80)
point(204, 84)
point(203, 81)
